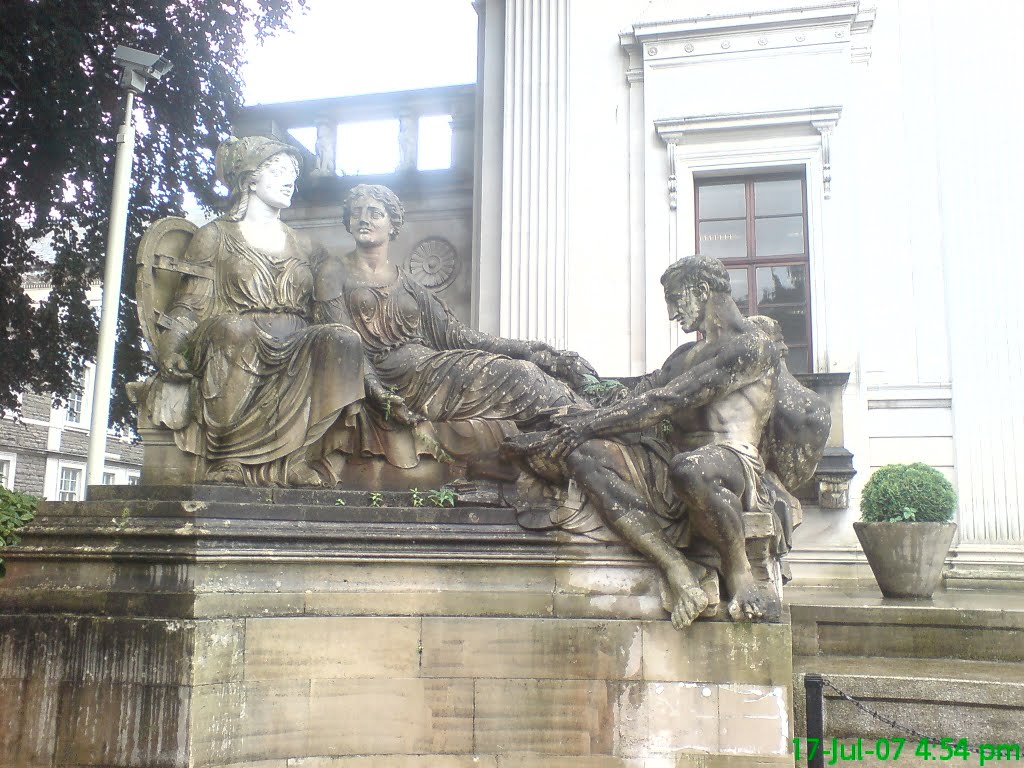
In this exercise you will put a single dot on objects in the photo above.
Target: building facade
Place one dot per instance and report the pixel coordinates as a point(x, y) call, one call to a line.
point(43, 449)
point(846, 160)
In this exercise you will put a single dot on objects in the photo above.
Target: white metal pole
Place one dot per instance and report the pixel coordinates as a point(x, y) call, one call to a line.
point(103, 379)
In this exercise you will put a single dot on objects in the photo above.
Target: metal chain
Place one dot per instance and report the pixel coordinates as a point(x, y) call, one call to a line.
point(882, 718)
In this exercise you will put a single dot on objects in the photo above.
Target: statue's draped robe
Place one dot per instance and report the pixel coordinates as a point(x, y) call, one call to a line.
point(464, 381)
point(267, 383)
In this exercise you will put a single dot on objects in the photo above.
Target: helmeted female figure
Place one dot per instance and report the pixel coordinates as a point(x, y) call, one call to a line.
point(263, 383)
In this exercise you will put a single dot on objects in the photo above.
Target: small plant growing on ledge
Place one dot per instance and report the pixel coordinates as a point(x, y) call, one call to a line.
point(16, 509)
point(899, 493)
point(376, 499)
point(443, 497)
point(417, 497)
point(339, 502)
point(595, 386)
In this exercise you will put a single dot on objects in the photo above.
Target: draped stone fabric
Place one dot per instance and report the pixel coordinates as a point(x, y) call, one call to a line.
point(463, 381)
point(267, 383)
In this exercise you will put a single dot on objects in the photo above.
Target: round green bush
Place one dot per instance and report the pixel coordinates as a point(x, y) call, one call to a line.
point(908, 492)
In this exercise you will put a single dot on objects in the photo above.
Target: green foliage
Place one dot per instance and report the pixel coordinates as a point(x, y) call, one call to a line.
point(376, 499)
point(443, 497)
point(60, 106)
point(908, 492)
point(339, 502)
point(417, 497)
point(16, 509)
point(596, 386)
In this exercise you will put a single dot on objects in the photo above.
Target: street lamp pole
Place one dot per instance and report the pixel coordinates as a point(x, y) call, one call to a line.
point(138, 67)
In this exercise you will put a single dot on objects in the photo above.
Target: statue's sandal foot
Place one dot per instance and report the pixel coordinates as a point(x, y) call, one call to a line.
point(304, 476)
point(228, 474)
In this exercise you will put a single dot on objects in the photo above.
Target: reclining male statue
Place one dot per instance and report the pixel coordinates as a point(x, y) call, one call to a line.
point(681, 495)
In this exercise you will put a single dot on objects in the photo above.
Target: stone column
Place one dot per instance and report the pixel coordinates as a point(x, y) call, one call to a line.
point(534, 170)
point(637, 261)
point(487, 166)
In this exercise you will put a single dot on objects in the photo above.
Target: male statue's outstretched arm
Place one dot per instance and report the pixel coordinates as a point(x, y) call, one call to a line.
point(737, 362)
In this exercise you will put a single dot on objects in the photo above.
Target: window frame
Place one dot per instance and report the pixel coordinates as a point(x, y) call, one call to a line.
point(79, 492)
point(751, 262)
point(11, 459)
point(709, 145)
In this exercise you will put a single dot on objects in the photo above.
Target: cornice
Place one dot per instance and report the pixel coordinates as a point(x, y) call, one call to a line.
point(792, 28)
point(672, 129)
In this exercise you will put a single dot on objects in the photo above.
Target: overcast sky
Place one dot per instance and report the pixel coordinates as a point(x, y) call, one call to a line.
point(341, 48)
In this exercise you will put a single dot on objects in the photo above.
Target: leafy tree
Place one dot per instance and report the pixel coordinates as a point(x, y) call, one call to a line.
point(60, 105)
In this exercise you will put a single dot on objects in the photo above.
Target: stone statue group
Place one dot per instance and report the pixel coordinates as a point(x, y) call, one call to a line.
point(279, 363)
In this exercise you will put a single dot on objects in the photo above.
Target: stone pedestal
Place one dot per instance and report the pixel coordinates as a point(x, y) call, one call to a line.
point(253, 627)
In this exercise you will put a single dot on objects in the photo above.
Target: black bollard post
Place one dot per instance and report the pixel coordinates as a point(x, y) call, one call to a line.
point(814, 688)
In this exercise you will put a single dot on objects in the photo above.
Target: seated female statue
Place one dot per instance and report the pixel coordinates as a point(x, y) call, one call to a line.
point(473, 389)
point(263, 384)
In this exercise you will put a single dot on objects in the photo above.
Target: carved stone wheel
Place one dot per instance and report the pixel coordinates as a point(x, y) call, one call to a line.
point(434, 263)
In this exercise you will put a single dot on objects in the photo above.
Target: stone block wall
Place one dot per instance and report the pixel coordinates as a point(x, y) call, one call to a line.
point(535, 691)
point(227, 627)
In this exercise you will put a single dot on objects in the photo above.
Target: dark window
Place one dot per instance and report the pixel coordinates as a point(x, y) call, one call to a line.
point(757, 227)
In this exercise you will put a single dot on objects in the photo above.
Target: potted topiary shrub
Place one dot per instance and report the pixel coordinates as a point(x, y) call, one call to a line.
point(905, 528)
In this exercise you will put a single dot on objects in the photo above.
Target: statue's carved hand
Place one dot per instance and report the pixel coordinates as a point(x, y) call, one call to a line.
point(175, 368)
point(561, 441)
point(562, 364)
point(391, 404)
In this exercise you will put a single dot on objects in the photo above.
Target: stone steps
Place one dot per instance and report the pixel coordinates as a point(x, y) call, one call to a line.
point(947, 669)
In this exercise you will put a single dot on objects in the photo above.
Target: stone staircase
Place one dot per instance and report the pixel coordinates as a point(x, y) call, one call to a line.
point(950, 668)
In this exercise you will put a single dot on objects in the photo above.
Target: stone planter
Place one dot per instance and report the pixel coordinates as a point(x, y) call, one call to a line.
point(906, 558)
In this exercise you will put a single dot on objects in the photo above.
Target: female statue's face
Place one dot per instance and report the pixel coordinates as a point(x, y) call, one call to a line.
point(369, 222)
point(275, 183)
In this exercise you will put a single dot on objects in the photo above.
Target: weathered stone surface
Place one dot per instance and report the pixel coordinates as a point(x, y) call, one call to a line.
point(729, 653)
point(534, 648)
point(327, 648)
point(430, 603)
point(235, 722)
point(529, 760)
point(650, 719)
point(27, 709)
point(114, 724)
point(555, 717)
point(398, 761)
point(391, 716)
point(219, 652)
point(754, 720)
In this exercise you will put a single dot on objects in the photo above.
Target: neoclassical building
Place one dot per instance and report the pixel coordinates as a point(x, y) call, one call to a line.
point(847, 162)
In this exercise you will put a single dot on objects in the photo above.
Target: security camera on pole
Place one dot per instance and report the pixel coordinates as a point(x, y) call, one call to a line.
point(138, 68)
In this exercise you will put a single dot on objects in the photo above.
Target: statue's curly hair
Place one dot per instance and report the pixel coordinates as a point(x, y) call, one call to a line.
point(694, 269)
point(385, 196)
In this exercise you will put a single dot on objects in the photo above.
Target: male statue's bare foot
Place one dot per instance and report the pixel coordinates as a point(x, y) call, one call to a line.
point(682, 595)
point(754, 601)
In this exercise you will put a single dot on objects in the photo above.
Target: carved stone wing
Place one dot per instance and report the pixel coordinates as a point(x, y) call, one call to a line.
point(161, 265)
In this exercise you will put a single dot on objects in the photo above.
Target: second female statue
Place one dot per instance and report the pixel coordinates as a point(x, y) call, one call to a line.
point(456, 391)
